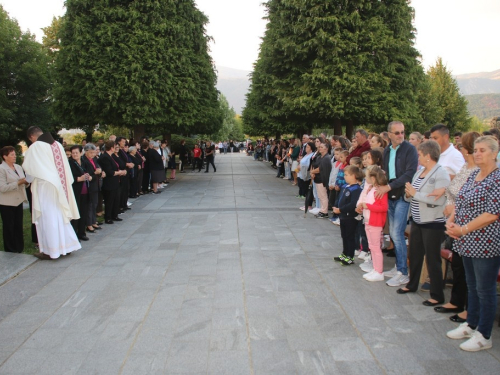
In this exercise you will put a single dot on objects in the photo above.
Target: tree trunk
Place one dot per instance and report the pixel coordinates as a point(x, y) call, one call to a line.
point(337, 127)
point(139, 131)
point(88, 135)
point(278, 135)
point(349, 128)
point(168, 137)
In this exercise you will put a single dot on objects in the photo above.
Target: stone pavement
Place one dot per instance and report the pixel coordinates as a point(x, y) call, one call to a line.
point(220, 274)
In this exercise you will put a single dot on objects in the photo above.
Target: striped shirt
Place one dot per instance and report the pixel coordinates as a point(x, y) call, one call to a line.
point(414, 207)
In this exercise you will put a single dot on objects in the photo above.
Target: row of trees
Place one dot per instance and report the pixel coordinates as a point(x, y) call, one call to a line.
point(345, 63)
point(140, 64)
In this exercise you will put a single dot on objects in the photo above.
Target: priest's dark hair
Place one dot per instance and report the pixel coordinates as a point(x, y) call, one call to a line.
point(33, 130)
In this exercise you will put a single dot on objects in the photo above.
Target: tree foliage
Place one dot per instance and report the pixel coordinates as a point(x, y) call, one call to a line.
point(327, 63)
point(445, 94)
point(231, 126)
point(136, 63)
point(24, 82)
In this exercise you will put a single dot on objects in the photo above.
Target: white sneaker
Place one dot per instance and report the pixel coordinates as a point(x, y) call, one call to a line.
point(129, 204)
point(391, 273)
point(461, 332)
point(314, 211)
point(366, 267)
point(398, 280)
point(374, 276)
point(336, 222)
point(366, 274)
point(476, 343)
point(356, 253)
point(302, 208)
point(362, 254)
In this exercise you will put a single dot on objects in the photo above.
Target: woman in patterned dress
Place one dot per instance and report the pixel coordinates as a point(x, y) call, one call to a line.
point(476, 228)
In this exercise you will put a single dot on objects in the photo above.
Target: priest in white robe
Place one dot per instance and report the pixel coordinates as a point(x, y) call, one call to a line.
point(54, 204)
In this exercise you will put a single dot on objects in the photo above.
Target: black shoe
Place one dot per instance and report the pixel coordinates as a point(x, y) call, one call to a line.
point(402, 291)
point(109, 221)
point(83, 238)
point(215, 170)
point(429, 303)
point(339, 258)
point(441, 309)
point(321, 215)
point(347, 261)
point(117, 219)
point(206, 171)
point(128, 208)
point(158, 192)
point(97, 228)
point(455, 318)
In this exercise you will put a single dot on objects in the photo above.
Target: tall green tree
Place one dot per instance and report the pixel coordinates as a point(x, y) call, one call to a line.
point(137, 63)
point(332, 63)
point(446, 95)
point(24, 82)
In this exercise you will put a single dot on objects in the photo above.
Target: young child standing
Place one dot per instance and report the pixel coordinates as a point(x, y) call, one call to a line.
point(346, 209)
point(340, 181)
point(375, 214)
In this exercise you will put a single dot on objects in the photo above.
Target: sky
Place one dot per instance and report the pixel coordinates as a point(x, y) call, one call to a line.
point(462, 32)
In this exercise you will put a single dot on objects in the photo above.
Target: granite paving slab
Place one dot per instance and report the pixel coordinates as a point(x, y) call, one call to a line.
point(220, 274)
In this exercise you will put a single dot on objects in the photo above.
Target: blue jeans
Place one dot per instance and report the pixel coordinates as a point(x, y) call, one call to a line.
point(481, 276)
point(398, 216)
point(315, 194)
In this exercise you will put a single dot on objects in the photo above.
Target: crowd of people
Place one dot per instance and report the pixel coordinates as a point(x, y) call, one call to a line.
point(421, 194)
point(69, 187)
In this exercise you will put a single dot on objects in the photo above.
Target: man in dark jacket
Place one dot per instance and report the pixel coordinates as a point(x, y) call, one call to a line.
point(400, 164)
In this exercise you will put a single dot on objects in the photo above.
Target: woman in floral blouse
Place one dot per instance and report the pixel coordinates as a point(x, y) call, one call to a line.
point(476, 228)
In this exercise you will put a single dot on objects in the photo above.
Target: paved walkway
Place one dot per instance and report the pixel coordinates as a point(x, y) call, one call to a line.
point(220, 274)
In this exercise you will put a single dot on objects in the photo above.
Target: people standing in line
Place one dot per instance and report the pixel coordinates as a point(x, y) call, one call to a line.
point(427, 221)
point(129, 166)
point(54, 204)
point(135, 172)
point(209, 155)
point(81, 184)
point(12, 196)
point(111, 183)
point(400, 164)
point(475, 226)
point(146, 175)
point(91, 165)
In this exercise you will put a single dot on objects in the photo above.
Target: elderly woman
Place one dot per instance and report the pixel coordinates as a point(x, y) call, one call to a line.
point(458, 300)
point(476, 228)
point(294, 156)
point(81, 187)
point(91, 165)
point(321, 175)
point(134, 178)
point(427, 221)
point(12, 196)
point(155, 165)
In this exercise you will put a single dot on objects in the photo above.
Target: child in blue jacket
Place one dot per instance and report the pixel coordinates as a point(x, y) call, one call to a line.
point(346, 209)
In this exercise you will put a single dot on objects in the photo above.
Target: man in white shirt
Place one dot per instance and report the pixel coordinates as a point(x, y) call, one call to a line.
point(451, 159)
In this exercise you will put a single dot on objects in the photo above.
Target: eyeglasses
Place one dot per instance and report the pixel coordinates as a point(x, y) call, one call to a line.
point(398, 133)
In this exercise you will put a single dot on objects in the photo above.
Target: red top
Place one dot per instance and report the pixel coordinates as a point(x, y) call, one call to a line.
point(378, 211)
point(197, 152)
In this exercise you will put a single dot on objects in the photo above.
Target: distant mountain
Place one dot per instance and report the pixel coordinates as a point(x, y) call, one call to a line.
point(484, 106)
point(234, 84)
point(479, 83)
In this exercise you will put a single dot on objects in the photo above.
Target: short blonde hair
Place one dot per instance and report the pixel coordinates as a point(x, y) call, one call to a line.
point(490, 141)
